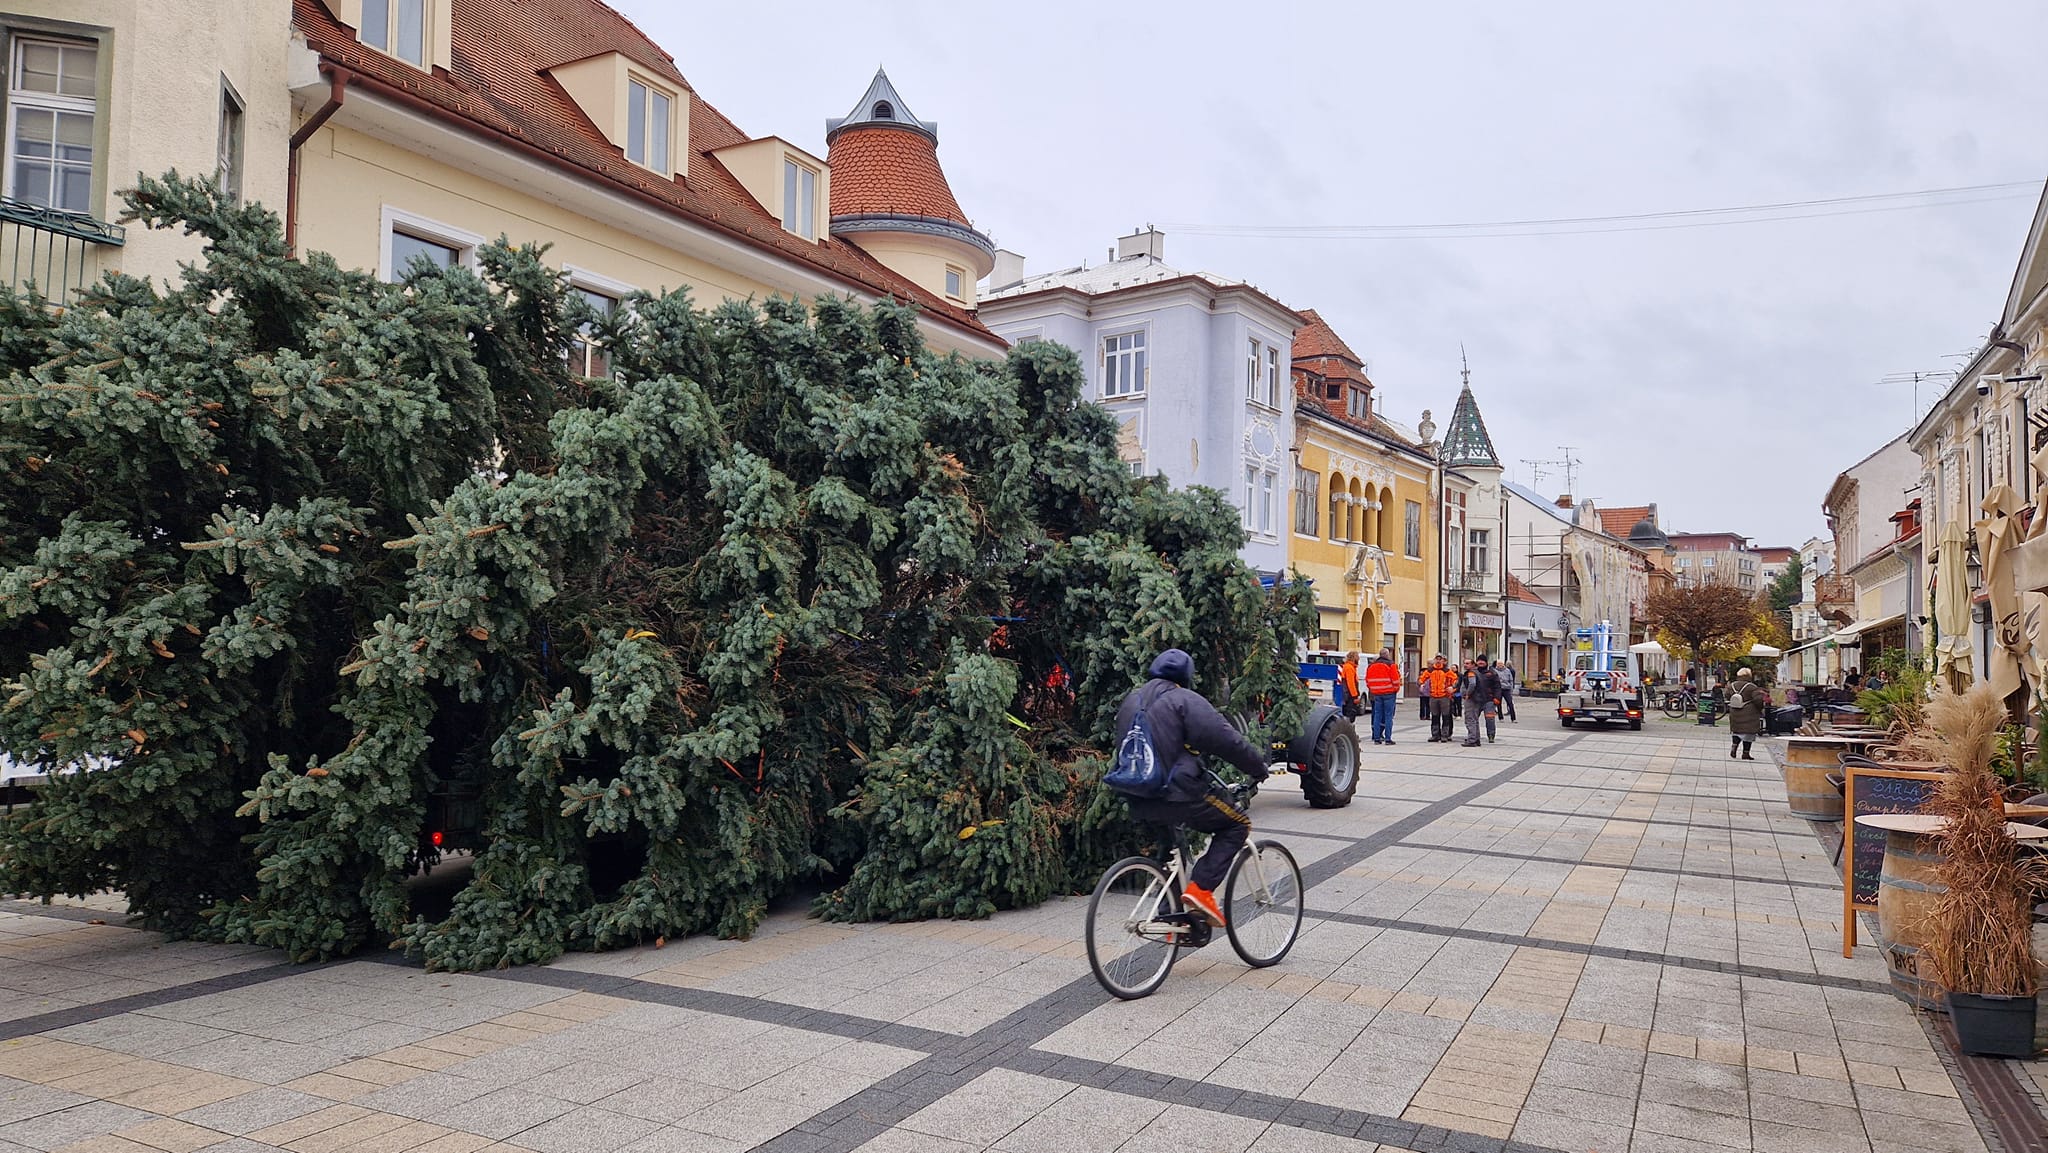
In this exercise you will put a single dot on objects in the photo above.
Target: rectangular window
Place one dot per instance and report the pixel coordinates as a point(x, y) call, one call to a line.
point(647, 115)
point(1411, 532)
point(407, 238)
point(51, 94)
point(1477, 541)
point(1359, 404)
point(1123, 364)
point(586, 357)
point(1308, 508)
point(397, 28)
point(1251, 496)
point(1251, 371)
point(228, 165)
point(954, 280)
point(406, 248)
point(1269, 484)
point(800, 199)
point(1273, 377)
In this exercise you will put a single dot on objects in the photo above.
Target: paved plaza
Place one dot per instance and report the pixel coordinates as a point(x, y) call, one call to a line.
point(1605, 941)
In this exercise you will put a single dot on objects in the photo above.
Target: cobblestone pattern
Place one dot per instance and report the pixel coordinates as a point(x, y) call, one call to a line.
point(1560, 942)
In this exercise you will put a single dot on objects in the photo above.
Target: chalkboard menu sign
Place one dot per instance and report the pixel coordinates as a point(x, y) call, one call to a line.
point(1870, 791)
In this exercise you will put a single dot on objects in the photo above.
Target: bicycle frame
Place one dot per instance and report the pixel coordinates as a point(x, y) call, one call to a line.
point(1179, 868)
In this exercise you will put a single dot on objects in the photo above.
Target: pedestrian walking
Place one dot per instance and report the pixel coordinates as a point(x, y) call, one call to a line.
point(1748, 704)
point(1348, 701)
point(1482, 700)
point(1439, 682)
point(1383, 689)
point(1506, 672)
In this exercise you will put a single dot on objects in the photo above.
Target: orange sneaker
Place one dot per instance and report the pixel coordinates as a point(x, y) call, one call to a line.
point(1204, 902)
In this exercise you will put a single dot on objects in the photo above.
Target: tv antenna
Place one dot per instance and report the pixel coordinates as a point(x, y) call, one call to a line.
point(1568, 465)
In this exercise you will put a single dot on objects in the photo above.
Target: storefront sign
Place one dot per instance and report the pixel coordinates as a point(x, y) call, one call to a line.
point(1411, 623)
point(1485, 621)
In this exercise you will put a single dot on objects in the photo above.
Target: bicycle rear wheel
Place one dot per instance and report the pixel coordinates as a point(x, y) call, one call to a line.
point(1129, 948)
point(1675, 705)
point(1262, 903)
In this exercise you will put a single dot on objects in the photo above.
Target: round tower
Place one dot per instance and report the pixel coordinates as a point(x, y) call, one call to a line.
point(890, 197)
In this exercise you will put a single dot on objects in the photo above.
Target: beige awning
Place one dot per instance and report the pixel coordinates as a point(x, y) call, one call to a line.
point(1952, 604)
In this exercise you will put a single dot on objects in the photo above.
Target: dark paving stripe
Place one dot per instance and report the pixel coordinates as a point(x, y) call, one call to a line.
point(1734, 968)
point(1666, 870)
point(760, 1009)
point(1257, 1106)
point(1629, 820)
point(2004, 1112)
point(99, 1010)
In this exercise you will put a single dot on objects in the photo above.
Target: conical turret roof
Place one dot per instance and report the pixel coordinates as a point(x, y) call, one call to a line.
point(1466, 444)
point(886, 176)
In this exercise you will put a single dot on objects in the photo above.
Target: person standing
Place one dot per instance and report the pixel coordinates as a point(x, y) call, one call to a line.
point(1439, 681)
point(1383, 688)
point(1506, 672)
point(1747, 705)
point(1482, 699)
point(1350, 704)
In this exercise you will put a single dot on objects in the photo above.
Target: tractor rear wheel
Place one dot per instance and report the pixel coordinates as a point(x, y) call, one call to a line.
point(1330, 777)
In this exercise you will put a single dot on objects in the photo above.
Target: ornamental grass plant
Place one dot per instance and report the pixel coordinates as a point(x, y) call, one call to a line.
point(1981, 938)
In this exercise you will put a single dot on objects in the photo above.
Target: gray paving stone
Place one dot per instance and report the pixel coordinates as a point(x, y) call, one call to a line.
point(501, 1113)
point(258, 1109)
point(22, 1101)
point(65, 1126)
point(586, 1130)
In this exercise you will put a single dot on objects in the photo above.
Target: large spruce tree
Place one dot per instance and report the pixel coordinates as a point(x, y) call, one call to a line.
point(290, 556)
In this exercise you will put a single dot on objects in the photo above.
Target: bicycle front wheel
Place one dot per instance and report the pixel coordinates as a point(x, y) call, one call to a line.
point(1675, 705)
point(1129, 947)
point(1262, 903)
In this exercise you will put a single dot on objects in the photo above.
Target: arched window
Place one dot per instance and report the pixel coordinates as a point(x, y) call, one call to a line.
point(884, 110)
point(1356, 524)
point(1389, 526)
point(1336, 506)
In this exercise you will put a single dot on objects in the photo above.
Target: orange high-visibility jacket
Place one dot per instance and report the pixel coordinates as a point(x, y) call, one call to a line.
point(1347, 675)
point(1381, 678)
point(1439, 682)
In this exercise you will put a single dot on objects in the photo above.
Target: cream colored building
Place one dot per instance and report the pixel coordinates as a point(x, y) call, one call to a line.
point(101, 90)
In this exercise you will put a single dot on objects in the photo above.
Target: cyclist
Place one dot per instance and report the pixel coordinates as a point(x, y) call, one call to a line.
point(1184, 724)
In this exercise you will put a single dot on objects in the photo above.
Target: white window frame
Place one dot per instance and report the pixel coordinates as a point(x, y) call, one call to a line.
point(391, 47)
point(1269, 486)
point(1308, 502)
point(413, 224)
point(1251, 368)
point(1251, 486)
point(800, 217)
point(665, 163)
point(53, 103)
point(956, 282)
point(1478, 550)
point(1357, 403)
point(1273, 376)
point(1411, 530)
point(602, 285)
point(1137, 358)
point(229, 153)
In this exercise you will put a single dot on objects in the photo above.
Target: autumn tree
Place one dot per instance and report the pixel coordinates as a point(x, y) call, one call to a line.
point(1703, 622)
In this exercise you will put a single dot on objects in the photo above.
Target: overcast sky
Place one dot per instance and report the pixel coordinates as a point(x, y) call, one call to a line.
point(1726, 373)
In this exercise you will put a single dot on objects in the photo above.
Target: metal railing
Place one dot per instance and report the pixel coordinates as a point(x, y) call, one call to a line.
point(1471, 581)
point(54, 253)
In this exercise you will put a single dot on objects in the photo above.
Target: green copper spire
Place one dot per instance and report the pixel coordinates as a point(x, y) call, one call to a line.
point(1466, 444)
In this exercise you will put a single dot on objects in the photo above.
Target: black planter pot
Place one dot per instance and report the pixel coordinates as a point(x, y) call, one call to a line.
point(1993, 1026)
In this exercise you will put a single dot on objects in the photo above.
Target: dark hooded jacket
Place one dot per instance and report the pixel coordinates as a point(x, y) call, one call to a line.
point(1185, 724)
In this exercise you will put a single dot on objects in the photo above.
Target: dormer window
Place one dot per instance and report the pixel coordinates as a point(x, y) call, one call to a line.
point(398, 28)
point(884, 110)
point(800, 198)
point(648, 115)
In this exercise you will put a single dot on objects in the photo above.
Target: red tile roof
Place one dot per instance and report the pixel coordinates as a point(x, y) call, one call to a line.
point(889, 172)
point(1315, 338)
point(1519, 591)
point(498, 85)
point(1617, 521)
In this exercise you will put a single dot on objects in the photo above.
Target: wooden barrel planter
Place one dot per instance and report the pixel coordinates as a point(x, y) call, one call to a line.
point(1906, 891)
point(1808, 761)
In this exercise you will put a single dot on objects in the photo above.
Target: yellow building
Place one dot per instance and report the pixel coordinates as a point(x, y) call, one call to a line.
point(1362, 516)
point(99, 90)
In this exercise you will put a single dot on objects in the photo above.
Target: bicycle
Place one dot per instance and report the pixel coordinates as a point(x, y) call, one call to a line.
point(1137, 925)
point(1680, 701)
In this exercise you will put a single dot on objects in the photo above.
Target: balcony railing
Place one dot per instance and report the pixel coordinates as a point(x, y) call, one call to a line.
point(1471, 581)
point(54, 253)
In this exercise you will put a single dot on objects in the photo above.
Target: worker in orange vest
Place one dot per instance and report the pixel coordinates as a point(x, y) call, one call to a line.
point(1439, 681)
point(1382, 688)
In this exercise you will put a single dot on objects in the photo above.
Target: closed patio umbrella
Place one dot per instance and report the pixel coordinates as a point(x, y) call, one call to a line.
point(1952, 604)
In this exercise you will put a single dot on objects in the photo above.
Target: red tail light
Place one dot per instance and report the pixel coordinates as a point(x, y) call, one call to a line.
point(436, 838)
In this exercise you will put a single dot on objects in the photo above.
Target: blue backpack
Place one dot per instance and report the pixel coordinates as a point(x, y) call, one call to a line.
point(1138, 770)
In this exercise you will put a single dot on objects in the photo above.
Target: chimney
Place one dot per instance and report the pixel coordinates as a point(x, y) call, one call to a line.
point(1564, 500)
point(1009, 270)
point(1149, 242)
